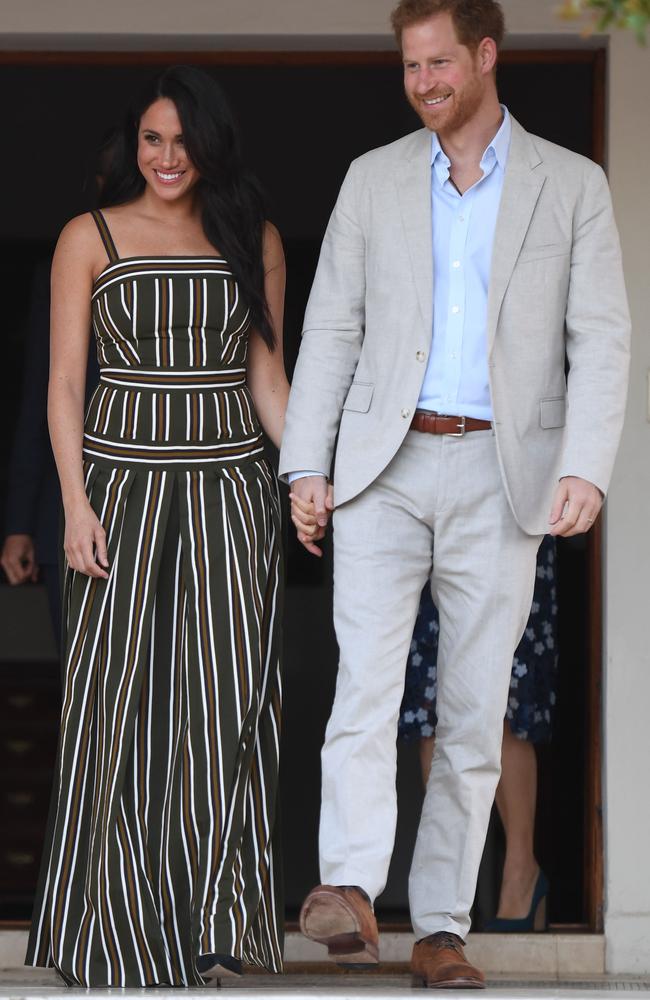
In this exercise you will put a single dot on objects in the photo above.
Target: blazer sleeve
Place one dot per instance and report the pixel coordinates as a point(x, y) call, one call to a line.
point(598, 334)
point(331, 340)
point(30, 456)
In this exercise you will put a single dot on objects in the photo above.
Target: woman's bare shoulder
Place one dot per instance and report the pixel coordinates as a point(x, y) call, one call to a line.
point(80, 245)
point(78, 229)
point(81, 235)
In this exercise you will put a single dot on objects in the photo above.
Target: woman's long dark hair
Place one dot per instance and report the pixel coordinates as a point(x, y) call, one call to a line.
point(232, 205)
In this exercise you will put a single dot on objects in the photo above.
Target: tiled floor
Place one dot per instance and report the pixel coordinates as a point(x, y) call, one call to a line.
point(36, 984)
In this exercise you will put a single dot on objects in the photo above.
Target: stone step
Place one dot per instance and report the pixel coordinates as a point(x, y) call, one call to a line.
point(547, 954)
point(552, 955)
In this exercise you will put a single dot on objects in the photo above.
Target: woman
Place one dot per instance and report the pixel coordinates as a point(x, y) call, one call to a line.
point(160, 864)
point(524, 886)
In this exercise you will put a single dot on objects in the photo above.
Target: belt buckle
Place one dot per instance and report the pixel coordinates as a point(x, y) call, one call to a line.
point(459, 433)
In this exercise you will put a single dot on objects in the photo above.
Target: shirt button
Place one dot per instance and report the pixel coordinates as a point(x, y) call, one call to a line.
point(406, 413)
point(456, 263)
point(420, 355)
point(453, 357)
point(461, 218)
point(455, 309)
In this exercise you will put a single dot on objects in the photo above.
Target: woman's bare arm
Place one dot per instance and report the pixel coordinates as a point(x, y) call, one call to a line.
point(75, 261)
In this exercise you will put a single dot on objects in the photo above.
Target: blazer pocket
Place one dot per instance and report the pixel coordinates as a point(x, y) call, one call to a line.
point(552, 412)
point(359, 397)
point(543, 251)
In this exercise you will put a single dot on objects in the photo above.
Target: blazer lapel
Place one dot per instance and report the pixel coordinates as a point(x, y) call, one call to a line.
point(521, 189)
point(413, 183)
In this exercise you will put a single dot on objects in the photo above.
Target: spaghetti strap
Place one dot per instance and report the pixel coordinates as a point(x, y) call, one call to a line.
point(105, 234)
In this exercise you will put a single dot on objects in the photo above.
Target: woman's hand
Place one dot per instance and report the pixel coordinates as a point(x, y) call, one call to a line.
point(85, 542)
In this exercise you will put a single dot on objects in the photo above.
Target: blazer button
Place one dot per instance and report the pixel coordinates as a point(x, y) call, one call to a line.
point(420, 355)
point(406, 413)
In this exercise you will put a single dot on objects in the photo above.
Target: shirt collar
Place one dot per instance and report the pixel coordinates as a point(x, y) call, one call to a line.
point(496, 152)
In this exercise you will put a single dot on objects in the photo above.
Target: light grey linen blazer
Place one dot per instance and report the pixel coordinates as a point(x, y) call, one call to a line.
point(556, 291)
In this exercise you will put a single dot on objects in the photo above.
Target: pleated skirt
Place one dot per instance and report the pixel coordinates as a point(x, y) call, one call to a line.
point(161, 843)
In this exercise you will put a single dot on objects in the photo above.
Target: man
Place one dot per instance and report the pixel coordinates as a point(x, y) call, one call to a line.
point(461, 266)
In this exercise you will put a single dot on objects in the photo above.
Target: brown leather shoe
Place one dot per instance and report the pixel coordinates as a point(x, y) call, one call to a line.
point(439, 961)
point(341, 917)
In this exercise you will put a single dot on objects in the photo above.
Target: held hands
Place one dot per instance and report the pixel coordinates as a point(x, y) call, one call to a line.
point(576, 506)
point(18, 559)
point(85, 542)
point(312, 502)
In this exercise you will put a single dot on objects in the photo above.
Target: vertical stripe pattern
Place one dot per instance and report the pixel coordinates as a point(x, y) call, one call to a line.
point(161, 842)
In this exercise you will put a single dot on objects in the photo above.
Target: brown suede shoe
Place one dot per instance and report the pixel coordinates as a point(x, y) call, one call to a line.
point(439, 961)
point(341, 917)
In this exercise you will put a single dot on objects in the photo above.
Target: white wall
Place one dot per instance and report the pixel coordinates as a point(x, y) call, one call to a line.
point(627, 645)
point(230, 18)
point(195, 17)
point(89, 23)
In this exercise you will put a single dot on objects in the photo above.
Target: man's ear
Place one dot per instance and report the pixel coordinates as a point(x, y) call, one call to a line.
point(487, 55)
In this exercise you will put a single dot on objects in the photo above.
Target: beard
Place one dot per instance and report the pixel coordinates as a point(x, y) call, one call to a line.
point(459, 108)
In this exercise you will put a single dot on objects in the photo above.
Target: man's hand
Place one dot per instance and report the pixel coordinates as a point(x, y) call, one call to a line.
point(576, 506)
point(18, 559)
point(312, 502)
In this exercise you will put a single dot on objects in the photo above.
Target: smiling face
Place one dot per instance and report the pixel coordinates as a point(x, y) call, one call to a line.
point(445, 82)
point(162, 158)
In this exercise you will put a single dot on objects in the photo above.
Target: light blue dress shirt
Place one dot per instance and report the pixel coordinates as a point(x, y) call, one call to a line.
point(456, 379)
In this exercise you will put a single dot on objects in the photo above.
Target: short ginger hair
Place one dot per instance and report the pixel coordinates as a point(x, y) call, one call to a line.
point(473, 20)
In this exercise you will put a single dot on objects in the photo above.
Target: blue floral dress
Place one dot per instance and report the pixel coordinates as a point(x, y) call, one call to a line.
point(534, 669)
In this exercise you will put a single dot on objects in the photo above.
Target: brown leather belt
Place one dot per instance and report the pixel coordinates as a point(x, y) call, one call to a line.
point(438, 423)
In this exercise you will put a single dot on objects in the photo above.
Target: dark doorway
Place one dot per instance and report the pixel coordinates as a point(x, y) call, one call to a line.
point(304, 117)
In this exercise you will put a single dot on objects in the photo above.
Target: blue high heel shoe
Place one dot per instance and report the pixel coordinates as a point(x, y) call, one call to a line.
point(535, 920)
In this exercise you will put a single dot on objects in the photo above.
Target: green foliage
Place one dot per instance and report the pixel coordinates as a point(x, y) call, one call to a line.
point(631, 14)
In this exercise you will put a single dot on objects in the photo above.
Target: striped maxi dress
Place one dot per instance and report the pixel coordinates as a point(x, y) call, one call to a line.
point(161, 841)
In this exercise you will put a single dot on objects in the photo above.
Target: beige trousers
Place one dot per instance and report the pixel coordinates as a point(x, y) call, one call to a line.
point(438, 511)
